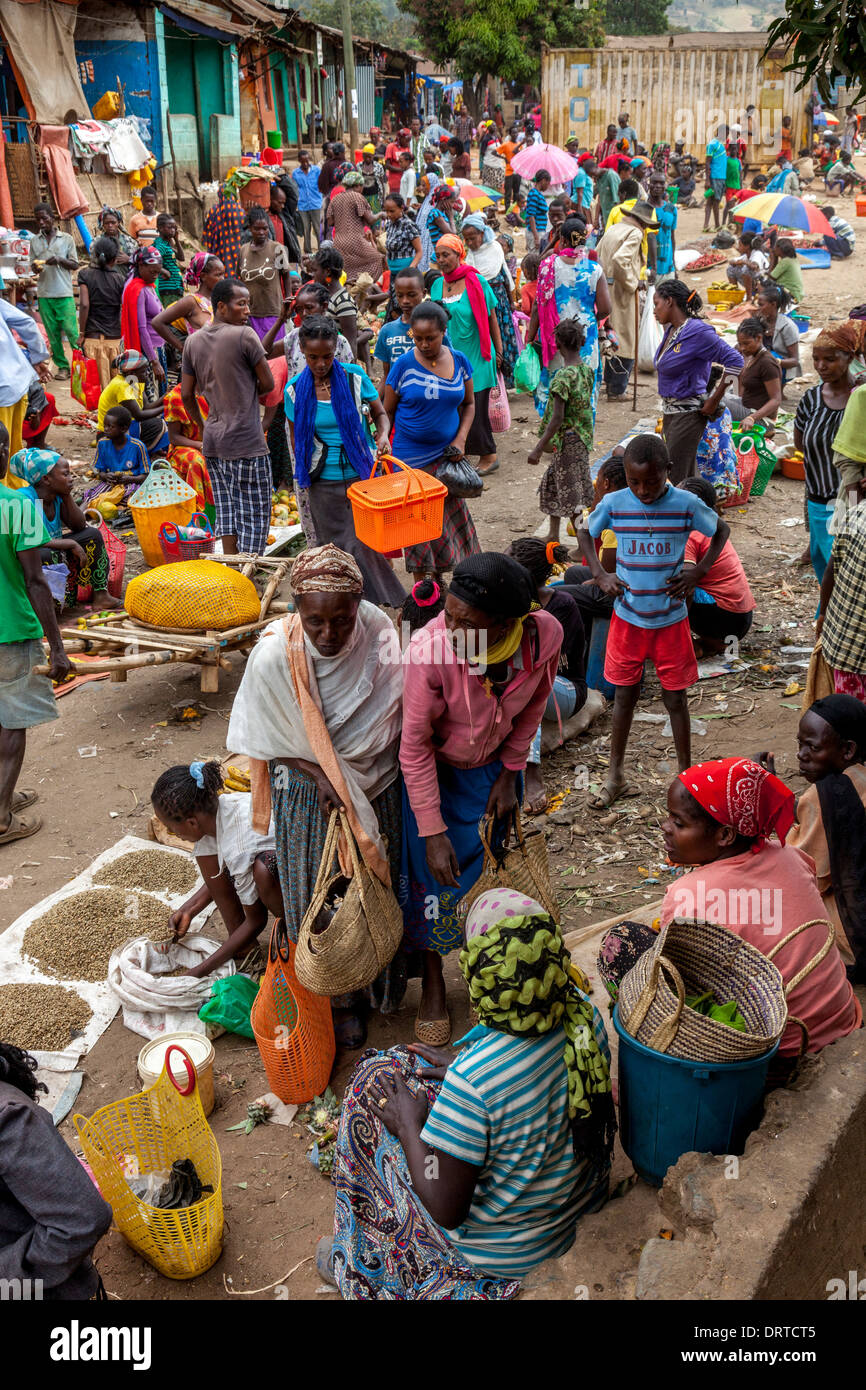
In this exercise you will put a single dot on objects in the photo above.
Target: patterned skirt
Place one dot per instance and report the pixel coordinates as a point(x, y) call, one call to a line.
point(620, 949)
point(457, 542)
point(386, 1246)
point(717, 457)
point(567, 486)
point(299, 829)
point(505, 318)
point(850, 683)
point(190, 464)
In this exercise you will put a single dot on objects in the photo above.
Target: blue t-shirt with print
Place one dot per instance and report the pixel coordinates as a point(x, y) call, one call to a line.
point(428, 408)
point(650, 545)
point(392, 342)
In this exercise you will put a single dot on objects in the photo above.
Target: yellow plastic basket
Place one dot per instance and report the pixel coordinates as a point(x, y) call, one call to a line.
point(151, 1130)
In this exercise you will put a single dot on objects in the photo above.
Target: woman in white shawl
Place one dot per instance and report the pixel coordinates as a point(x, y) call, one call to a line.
point(318, 712)
point(484, 252)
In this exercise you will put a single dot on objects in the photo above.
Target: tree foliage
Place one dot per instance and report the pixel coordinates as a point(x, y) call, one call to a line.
point(637, 16)
point(502, 37)
point(371, 19)
point(823, 42)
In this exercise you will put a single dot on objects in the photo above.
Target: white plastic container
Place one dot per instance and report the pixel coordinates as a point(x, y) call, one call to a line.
point(151, 1060)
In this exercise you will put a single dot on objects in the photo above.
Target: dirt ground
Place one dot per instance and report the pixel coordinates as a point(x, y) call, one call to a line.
point(602, 864)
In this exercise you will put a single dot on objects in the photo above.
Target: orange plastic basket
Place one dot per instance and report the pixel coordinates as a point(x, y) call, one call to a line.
point(293, 1028)
point(146, 1133)
point(395, 510)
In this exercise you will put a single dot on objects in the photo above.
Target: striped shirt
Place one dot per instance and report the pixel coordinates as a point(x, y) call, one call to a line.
point(503, 1107)
point(819, 425)
point(536, 206)
point(841, 228)
point(651, 542)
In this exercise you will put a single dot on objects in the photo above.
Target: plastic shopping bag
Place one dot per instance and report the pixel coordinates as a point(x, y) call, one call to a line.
point(230, 1003)
point(527, 371)
point(649, 335)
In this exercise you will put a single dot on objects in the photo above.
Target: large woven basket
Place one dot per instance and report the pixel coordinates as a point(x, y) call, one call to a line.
point(362, 936)
point(524, 868)
point(692, 957)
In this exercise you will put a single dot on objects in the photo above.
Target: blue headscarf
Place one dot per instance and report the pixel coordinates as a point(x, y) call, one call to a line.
point(32, 465)
point(353, 436)
point(478, 222)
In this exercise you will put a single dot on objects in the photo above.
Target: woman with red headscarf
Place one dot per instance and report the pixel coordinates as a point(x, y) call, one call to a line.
point(721, 816)
point(473, 329)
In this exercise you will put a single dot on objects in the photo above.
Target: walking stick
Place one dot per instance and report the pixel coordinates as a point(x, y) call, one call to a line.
point(634, 364)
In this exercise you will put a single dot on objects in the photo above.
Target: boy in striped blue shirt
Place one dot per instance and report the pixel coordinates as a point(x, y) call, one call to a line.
point(652, 521)
point(535, 211)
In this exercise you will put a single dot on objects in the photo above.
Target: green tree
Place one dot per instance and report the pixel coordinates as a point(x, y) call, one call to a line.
point(823, 42)
point(637, 16)
point(502, 37)
point(371, 19)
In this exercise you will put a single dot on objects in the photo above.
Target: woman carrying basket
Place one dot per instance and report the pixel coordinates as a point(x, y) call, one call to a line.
point(326, 409)
point(477, 680)
point(329, 656)
point(720, 817)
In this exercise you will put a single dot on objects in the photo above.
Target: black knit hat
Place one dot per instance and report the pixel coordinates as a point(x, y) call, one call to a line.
point(495, 584)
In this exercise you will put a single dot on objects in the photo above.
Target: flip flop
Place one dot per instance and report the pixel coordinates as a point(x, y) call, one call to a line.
point(21, 800)
point(19, 828)
point(604, 800)
point(435, 1032)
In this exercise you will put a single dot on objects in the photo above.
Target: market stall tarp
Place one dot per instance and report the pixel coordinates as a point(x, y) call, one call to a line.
point(39, 41)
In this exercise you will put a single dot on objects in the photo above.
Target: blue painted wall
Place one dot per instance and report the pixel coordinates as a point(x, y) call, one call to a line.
point(126, 54)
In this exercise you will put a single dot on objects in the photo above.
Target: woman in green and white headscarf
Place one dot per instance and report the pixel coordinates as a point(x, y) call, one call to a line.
point(483, 1162)
point(352, 219)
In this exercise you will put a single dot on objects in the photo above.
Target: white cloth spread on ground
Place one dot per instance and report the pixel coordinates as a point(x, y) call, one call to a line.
point(359, 692)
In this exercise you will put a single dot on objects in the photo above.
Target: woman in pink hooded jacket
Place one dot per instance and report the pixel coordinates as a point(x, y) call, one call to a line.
point(476, 682)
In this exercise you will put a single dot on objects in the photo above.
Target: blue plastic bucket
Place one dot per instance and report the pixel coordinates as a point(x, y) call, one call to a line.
point(815, 258)
point(801, 321)
point(668, 1107)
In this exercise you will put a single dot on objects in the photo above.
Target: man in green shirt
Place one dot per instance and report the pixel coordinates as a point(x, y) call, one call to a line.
point(169, 286)
point(55, 252)
point(27, 611)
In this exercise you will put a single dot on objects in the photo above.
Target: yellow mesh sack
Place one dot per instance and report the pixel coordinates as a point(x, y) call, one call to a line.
point(193, 594)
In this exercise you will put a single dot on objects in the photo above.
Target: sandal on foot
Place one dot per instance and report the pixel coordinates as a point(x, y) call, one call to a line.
point(19, 828)
point(434, 1032)
point(21, 800)
point(606, 798)
point(491, 468)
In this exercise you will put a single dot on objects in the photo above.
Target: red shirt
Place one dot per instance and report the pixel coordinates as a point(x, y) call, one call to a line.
point(726, 581)
point(392, 155)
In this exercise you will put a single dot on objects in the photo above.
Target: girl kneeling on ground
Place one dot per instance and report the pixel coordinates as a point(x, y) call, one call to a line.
point(238, 865)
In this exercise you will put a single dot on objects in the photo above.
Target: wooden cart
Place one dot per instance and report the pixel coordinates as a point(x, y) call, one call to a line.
point(125, 644)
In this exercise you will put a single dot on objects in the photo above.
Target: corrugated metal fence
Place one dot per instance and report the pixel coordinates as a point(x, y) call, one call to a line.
point(680, 88)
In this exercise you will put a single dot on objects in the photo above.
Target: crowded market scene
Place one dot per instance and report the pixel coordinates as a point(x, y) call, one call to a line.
point(432, 688)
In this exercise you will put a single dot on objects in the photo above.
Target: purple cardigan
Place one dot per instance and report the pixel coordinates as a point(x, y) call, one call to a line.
point(685, 369)
point(148, 307)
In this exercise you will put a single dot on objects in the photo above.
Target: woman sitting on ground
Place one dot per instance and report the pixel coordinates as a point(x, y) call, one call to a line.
point(720, 817)
point(73, 543)
point(569, 687)
point(51, 1214)
point(785, 268)
point(722, 609)
point(759, 385)
point(476, 685)
point(237, 864)
point(318, 710)
point(485, 1161)
point(831, 817)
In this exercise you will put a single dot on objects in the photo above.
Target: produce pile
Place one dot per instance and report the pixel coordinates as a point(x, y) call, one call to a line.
point(44, 1018)
point(75, 938)
point(151, 868)
point(284, 508)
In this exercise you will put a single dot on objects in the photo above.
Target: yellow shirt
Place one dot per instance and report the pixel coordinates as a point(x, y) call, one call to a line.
point(608, 540)
point(616, 215)
point(116, 392)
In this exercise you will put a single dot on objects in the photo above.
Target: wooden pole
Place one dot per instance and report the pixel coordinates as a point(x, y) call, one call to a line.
point(350, 95)
point(634, 364)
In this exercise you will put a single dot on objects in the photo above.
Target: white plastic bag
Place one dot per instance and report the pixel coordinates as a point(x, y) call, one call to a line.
point(155, 1001)
point(649, 335)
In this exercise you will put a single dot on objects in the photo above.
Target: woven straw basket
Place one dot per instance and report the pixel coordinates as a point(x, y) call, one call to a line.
point(523, 868)
point(362, 936)
point(690, 958)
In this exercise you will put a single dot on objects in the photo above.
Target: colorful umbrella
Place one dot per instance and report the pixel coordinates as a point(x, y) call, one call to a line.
point(783, 210)
point(475, 196)
point(559, 165)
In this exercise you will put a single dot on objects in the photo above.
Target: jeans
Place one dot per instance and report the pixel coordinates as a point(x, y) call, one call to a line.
point(838, 247)
point(310, 222)
point(561, 703)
